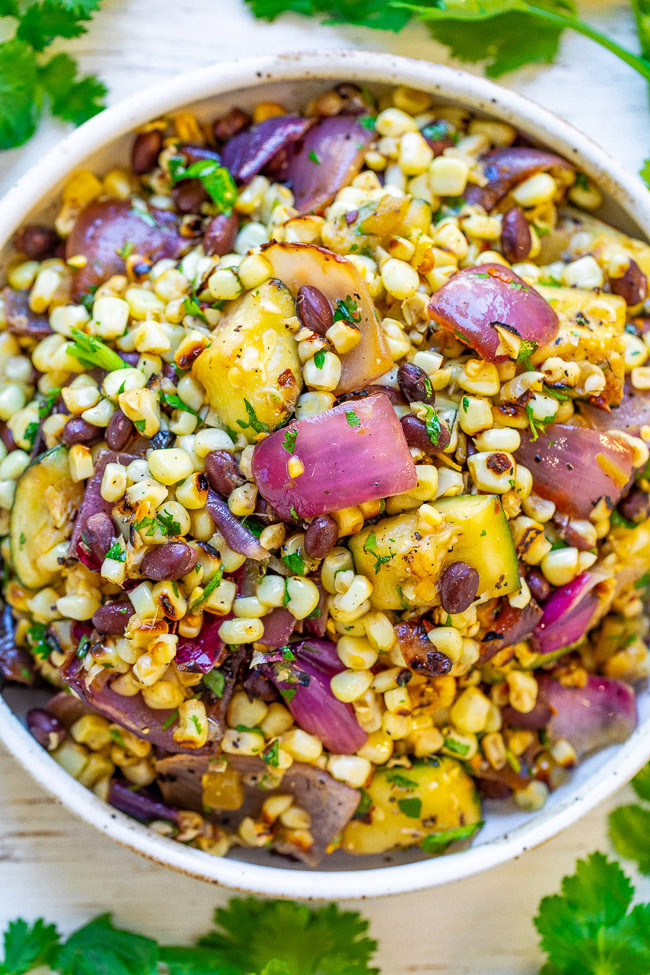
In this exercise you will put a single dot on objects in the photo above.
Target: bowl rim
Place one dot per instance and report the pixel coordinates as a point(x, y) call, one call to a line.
point(223, 79)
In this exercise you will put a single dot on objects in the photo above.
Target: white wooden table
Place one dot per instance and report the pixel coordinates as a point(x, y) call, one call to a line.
point(54, 866)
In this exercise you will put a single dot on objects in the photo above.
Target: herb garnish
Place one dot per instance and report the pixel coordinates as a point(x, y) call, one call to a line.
point(352, 418)
point(176, 403)
point(116, 553)
point(215, 178)
point(257, 425)
point(370, 546)
point(289, 441)
point(91, 352)
point(215, 681)
point(347, 310)
point(294, 563)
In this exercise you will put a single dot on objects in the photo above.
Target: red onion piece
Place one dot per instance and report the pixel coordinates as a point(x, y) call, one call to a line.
point(316, 626)
point(353, 453)
point(476, 299)
point(139, 803)
point(201, 653)
point(568, 614)
point(507, 166)
point(329, 156)
point(632, 413)
point(16, 664)
point(534, 720)
point(574, 467)
point(93, 503)
point(279, 625)
point(238, 537)
point(103, 228)
point(21, 320)
point(309, 697)
point(250, 151)
point(601, 713)
point(510, 626)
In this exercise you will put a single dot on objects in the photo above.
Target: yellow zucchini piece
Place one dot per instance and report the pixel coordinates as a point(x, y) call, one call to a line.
point(404, 563)
point(251, 370)
point(42, 514)
point(410, 804)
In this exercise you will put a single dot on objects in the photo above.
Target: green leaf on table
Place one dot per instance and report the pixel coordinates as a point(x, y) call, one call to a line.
point(19, 106)
point(72, 99)
point(645, 172)
point(27, 946)
point(641, 783)
point(99, 948)
point(322, 941)
point(43, 21)
point(195, 961)
point(629, 829)
point(366, 13)
point(586, 929)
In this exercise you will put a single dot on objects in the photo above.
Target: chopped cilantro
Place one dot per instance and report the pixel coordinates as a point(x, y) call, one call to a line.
point(526, 349)
point(215, 681)
point(457, 747)
point(314, 158)
point(193, 308)
point(401, 781)
point(271, 754)
point(432, 425)
point(289, 441)
point(167, 524)
point(365, 805)
point(465, 404)
point(347, 310)
point(168, 722)
point(257, 425)
point(91, 351)
point(31, 432)
point(140, 425)
point(370, 546)
point(116, 553)
point(209, 589)
point(319, 359)
point(368, 122)
point(125, 250)
point(438, 842)
point(293, 512)
point(294, 563)
point(176, 403)
point(216, 180)
point(352, 418)
point(410, 807)
point(197, 724)
point(45, 408)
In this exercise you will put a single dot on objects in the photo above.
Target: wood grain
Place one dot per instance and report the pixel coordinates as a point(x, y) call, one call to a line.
point(55, 866)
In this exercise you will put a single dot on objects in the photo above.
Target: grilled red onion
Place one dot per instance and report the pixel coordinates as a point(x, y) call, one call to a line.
point(574, 467)
point(139, 803)
point(510, 626)
point(21, 320)
point(507, 166)
point(250, 151)
point(16, 664)
point(632, 413)
point(279, 625)
point(239, 538)
point(601, 713)
point(93, 503)
point(199, 654)
point(353, 453)
point(568, 614)
point(477, 299)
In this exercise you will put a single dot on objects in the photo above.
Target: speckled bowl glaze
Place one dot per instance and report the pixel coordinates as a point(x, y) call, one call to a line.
point(293, 79)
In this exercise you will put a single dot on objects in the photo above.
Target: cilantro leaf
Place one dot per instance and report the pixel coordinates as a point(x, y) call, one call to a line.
point(432, 425)
point(438, 842)
point(28, 946)
point(586, 929)
point(215, 178)
point(91, 352)
point(289, 441)
point(366, 13)
point(410, 807)
point(645, 172)
point(19, 107)
point(294, 563)
point(347, 310)
point(116, 552)
point(195, 961)
point(629, 829)
point(99, 948)
point(352, 418)
point(526, 349)
point(167, 524)
point(47, 405)
point(71, 99)
point(257, 425)
point(215, 681)
point(641, 783)
point(43, 21)
point(324, 941)
point(176, 403)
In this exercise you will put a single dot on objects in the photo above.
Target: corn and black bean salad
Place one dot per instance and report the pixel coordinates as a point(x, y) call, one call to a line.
point(324, 488)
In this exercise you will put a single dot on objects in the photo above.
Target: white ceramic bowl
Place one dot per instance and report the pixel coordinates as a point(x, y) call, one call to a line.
point(292, 79)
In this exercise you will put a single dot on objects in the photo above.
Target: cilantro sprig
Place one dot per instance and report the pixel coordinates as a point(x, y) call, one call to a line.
point(629, 826)
point(91, 352)
point(502, 34)
point(28, 81)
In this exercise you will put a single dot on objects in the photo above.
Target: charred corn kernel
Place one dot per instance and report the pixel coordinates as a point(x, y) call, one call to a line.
point(326, 376)
point(12, 399)
point(274, 806)
point(636, 351)
point(523, 691)
point(78, 606)
point(411, 100)
point(356, 653)
point(379, 630)
point(499, 438)
point(241, 630)
point(378, 749)
point(368, 712)
point(100, 414)
point(79, 397)
point(538, 508)
point(494, 749)
point(143, 304)
point(249, 607)
point(162, 695)
point(426, 741)
point(343, 336)
point(192, 726)
point(82, 188)
point(585, 194)
point(561, 565)
point(564, 753)
point(469, 656)
point(13, 465)
point(91, 730)
point(396, 339)
point(295, 818)
point(399, 278)
point(21, 276)
point(146, 490)
point(7, 494)
point(211, 439)
point(448, 176)
point(243, 711)
point(271, 590)
point(474, 415)
point(302, 746)
point(122, 381)
point(480, 378)
point(447, 640)
point(80, 462)
point(535, 190)
point(276, 721)
point(193, 491)
point(110, 316)
point(351, 769)
point(583, 273)
point(397, 700)
point(469, 713)
point(533, 797)
point(253, 833)
point(492, 472)
point(169, 599)
point(18, 369)
point(415, 154)
point(113, 483)
point(396, 726)
point(44, 288)
point(303, 597)
point(498, 133)
point(349, 685)
point(295, 467)
point(242, 742)
point(267, 110)
point(142, 407)
point(113, 570)
point(224, 284)
point(272, 536)
point(349, 520)
point(338, 560)
point(142, 600)
point(150, 337)
point(640, 377)
point(220, 600)
point(393, 122)
point(96, 768)
point(450, 483)
point(358, 591)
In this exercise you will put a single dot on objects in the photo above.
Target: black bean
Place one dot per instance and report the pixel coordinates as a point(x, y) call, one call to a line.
point(313, 309)
point(516, 238)
point(78, 430)
point(45, 728)
point(162, 440)
point(119, 430)
point(631, 286)
point(228, 125)
point(416, 434)
point(458, 586)
point(636, 506)
point(145, 152)
point(415, 384)
point(173, 560)
point(188, 195)
point(113, 617)
point(321, 536)
point(223, 472)
point(219, 235)
point(540, 588)
point(99, 534)
point(36, 242)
